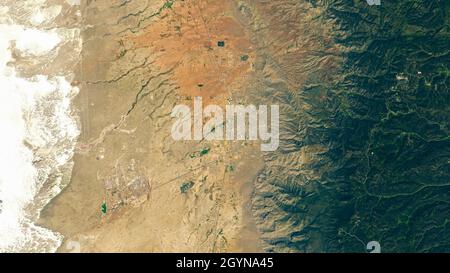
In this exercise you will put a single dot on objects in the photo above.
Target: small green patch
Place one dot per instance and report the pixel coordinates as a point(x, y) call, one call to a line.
point(104, 208)
point(244, 58)
point(204, 151)
point(186, 186)
point(168, 5)
point(229, 168)
point(221, 43)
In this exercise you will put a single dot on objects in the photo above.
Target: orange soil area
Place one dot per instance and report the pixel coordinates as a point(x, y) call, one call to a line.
point(186, 38)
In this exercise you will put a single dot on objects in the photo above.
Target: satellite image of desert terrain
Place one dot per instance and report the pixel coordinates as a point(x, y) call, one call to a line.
point(224, 126)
